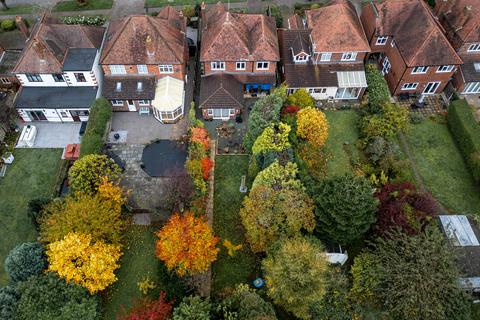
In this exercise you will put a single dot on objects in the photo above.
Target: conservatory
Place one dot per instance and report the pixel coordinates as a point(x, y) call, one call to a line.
point(167, 106)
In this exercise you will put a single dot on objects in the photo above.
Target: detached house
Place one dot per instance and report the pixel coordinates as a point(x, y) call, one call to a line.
point(144, 61)
point(58, 72)
point(461, 21)
point(244, 46)
point(410, 46)
point(324, 53)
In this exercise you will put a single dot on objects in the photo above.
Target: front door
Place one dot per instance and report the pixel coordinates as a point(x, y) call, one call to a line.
point(75, 115)
point(37, 115)
point(431, 87)
point(131, 105)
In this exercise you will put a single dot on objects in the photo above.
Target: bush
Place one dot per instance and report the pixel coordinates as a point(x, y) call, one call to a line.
point(87, 173)
point(301, 98)
point(25, 260)
point(159, 309)
point(193, 308)
point(466, 132)
point(93, 139)
point(35, 210)
point(378, 91)
point(85, 20)
point(312, 125)
point(8, 302)
point(390, 119)
point(8, 25)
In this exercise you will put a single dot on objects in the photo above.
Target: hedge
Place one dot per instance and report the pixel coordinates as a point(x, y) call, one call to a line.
point(466, 132)
point(84, 20)
point(378, 91)
point(93, 139)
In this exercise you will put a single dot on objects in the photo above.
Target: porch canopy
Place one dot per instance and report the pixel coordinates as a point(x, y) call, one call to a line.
point(351, 79)
point(169, 97)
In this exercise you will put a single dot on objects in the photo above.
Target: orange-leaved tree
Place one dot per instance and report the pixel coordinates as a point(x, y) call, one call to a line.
point(312, 125)
point(200, 135)
point(186, 244)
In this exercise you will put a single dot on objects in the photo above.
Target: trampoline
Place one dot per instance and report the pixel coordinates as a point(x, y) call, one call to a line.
point(164, 158)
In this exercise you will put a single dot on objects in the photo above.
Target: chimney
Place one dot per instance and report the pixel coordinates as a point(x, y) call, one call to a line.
point(464, 16)
point(203, 6)
point(22, 26)
point(149, 46)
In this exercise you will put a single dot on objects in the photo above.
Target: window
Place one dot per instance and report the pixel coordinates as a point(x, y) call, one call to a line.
point(142, 69)
point(386, 66)
point(301, 58)
point(472, 87)
point(210, 112)
point(317, 90)
point(139, 86)
point(34, 77)
point(349, 56)
point(290, 91)
point(165, 68)
point(58, 77)
point(381, 41)
point(144, 102)
point(117, 102)
point(419, 70)
point(326, 56)
point(445, 68)
point(476, 66)
point(241, 65)
point(117, 69)
point(218, 65)
point(262, 65)
point(392, 44)
point(410, 86)
point(63, 114)
point(80, 77)
point(5, 80)
point(118, 87)
point(474, 47)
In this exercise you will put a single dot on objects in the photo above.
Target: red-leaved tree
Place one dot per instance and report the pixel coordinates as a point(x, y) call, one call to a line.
point(403, 206)
point(207, 165)
point(159, 309)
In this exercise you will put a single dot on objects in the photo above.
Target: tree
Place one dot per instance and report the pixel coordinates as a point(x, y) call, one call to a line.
point(378, 91)
point(78, 259)
point(279, 177)
point(200, 136)
point(8, 302)
point(295, 272)
point(178, 191)
point(402, 206)
point(87, 173)
point(95, 215)
point(269, 214)
point(273, 138)
point(159, 309)
point(391, 118)
point(312, 125)
point(193, 308)
point(365, 279)
point(345, 208)
point(301, 98)
point(186, 244)
point(25, 260)
point(47, 297)
point(35, 210)
point(415, 277)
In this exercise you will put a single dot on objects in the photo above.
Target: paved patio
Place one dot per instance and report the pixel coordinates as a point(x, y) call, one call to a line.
point(55, 135)
point(433, 105)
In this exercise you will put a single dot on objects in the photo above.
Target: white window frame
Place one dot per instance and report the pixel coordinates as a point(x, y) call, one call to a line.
point(217, 65)
point(386, 66)
point(139, 86)
point(381, 41)
point(118, 86)
point(143, 102)
point(165, 68)
point(420, 70)
point(5, 80)
point(446, 68)
point(117, 69)
point(240, 65)
point(210, 112)
point(349, 56)
point(301, 58)
point(142, 69)
point(34, 77)
point(474, 47)
point(409, 86)
point(117, 103)
point(262, 65)
point(472, 87)
point(326, 56)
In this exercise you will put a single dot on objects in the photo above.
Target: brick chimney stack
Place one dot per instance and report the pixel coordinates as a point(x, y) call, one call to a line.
point(465, 15)
point(149, 46)
point(22, 26)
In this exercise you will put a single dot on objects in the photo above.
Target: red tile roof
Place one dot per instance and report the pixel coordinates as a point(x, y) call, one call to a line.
point(470, 31)
point(337, 28)
point(231, 36)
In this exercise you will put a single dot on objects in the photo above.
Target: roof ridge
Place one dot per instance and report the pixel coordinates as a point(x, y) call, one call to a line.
point(160, 34)
point(214, 92)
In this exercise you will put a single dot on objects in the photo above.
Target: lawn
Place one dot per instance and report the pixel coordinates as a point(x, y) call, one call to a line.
point(18, 10)
point(138, 261)
point(161, 3)
point(340, 147)
point(228, 271)
point(442, 168)
point(72, 5)
point(32, 174)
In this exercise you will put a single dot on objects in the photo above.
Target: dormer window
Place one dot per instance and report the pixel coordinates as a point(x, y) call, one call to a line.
point(349, 56)
point(381, 41)
point(139, 86)
point(118, 87)
point(301, 58)
point(58, 77)
point(446, 68)
point(117, 69)
point(474, 47)
point(419, 70)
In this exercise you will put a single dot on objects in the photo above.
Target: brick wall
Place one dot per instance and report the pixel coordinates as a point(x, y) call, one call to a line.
point(230, 66)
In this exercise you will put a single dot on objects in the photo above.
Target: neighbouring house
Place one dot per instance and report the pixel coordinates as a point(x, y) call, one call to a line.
point(242, 45)
point(8, 60)
point(58, 72)
point(324, 53)
point(410, 47)
point(461, 21)
point(144, 61)
point(221, 96)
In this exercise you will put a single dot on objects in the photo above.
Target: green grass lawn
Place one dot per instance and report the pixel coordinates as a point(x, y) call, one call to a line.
point(442, 168)
point(72, 5)
point(340, 147)
point(138, 261)
point(228, 271)
point(33, 174)
point(161, 3)
point(22, 9)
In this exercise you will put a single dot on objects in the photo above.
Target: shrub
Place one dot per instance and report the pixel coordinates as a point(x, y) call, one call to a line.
point(312, 126)
point(85, 20)
point(193, 308)
point(8, 25)
point(207, 165)
point(25, 260)
point(390, 119)
point(8, 302)
point(301, 98)
point(313, 159)
point(159, 309)
point(87, 173)
point(35, 210)
point(466, 132)
point(100, 115)
point(378, 91)
point(365, 282)
point(290, 109)
point(279, 177)
point(273, 138)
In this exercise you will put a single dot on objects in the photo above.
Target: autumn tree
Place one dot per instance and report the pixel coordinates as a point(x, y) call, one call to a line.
point(273, 138)
point(200, 136)
point(269, 214)
point(301, 98)
point(158, 309)
point(295, 272)
point(78, 259)
point(390, 119)
point(178, 191)
point(186, 244)
point(312, 126)
point(87, 173)
point(279, 177)
point(25, 260)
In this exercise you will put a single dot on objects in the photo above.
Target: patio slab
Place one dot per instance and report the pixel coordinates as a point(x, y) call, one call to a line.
point(55, 135)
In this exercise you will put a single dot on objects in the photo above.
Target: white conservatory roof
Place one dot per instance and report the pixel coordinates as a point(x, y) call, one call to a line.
point(458, 230)
point(169, 94)
point(351, 79)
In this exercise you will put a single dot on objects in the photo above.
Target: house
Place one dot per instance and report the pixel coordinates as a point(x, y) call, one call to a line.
point(242, 45)
point(58, 72)
point(8, 60)
point(221, 96)
point(144, 60)
point(324, 53)
point(460, 19)
point(408, 43)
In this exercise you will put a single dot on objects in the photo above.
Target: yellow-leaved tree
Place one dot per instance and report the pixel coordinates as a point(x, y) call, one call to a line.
point(186, 244)
point(89, 264)
point(312, 126)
